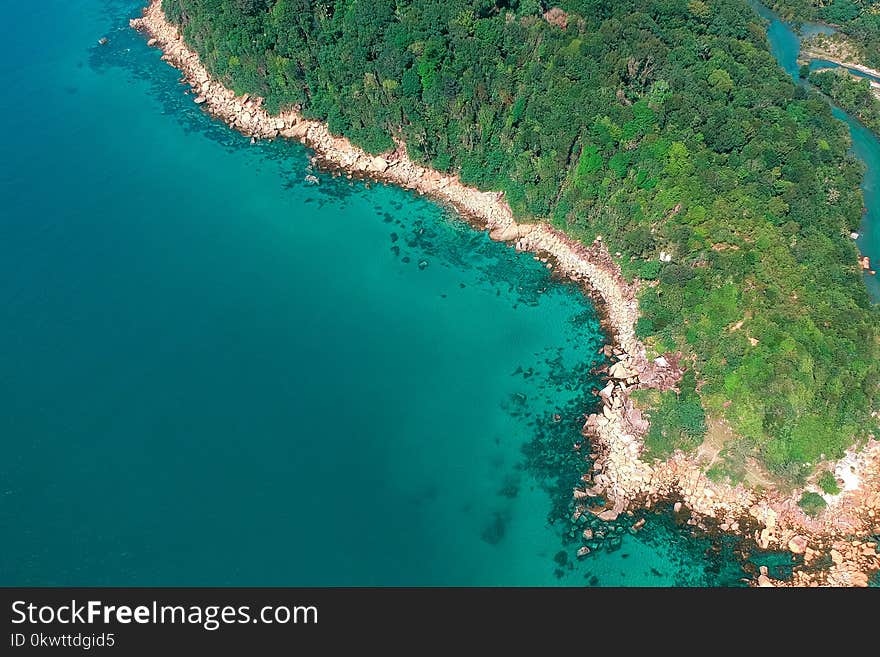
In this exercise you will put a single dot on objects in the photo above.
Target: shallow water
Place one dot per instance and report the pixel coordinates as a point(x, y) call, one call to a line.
point(824, 63)
point(216, 373)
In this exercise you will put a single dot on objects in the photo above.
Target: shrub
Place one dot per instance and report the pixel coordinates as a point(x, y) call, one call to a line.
point(812, 503)
point(649, 270)
point(644, 327)
point(675, 274)
point(639, 240)
point(828, 483)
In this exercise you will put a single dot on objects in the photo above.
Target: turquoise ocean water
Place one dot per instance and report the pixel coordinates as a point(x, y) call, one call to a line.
point(216, 373)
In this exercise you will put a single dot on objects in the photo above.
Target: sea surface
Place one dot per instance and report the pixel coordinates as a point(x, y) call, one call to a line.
point(215, 372)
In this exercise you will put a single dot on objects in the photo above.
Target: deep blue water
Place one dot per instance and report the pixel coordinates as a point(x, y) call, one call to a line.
point(214, 373)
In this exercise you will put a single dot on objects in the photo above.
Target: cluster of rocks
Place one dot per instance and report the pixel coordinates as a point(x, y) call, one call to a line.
point(852, 561)
point(596, 532)
point(771, 520)
point(663, 372)
point(619, 474)
point(244, 113)
point(620, 477)
point(594, 267)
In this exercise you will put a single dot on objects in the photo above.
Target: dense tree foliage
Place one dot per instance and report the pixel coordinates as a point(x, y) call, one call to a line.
point(812, 503)
point(659, 124)
point(851, 94)
point(678, 420)
point(828, 483)
point(859, 20)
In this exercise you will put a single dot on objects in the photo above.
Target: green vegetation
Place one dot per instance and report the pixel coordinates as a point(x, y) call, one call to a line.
point(731, 466)
point(677, 419)
point(828, 483)
point(658, 124)
point(859, 20)
point(812, 503)
point(851, 94)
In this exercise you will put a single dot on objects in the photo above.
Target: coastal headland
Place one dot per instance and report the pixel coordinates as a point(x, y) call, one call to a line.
point(834, 548)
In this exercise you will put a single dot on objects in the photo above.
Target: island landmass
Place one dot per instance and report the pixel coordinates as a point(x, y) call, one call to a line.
point(679, 422)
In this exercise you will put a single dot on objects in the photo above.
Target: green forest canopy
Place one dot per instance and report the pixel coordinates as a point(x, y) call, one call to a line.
point(658, 124)
point(852, 94)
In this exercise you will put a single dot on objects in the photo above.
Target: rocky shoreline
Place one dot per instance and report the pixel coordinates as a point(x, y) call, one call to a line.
point(620, 479)
point(838, 52)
